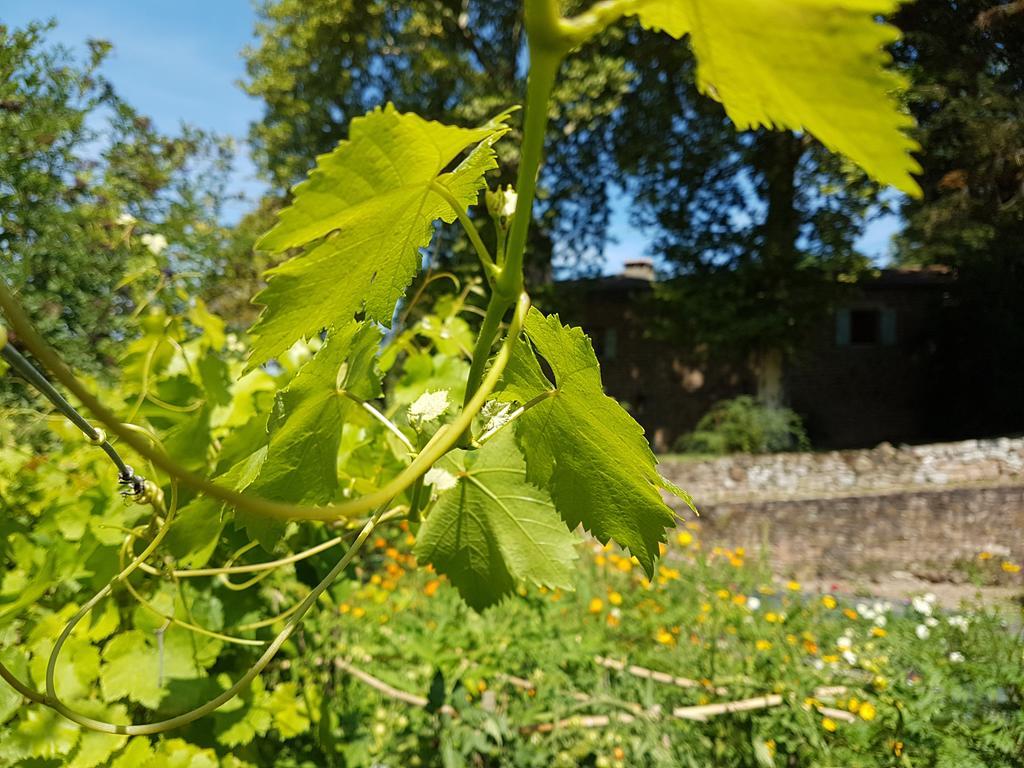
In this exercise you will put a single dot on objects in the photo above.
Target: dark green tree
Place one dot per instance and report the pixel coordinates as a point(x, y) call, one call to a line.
point(319, 63)
point(753, 228)
point(966, 60)
point(98, 210)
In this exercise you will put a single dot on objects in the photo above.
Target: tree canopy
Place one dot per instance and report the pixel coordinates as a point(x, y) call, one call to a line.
point(98, 209)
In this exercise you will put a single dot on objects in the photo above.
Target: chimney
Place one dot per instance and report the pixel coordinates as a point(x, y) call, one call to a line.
point(639, 269)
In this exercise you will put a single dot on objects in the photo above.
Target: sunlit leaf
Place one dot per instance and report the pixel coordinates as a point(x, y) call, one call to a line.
point(494, 530)
point(582, 446)
point(814, 65)
point(372, 201)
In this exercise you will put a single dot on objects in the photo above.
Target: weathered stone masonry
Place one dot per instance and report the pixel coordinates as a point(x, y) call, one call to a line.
point(922, 509)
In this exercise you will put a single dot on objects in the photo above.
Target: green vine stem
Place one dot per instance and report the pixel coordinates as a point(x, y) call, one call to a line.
point(51, 700)
point(441, 443)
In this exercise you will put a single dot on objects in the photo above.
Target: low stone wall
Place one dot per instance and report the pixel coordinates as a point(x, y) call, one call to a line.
point(925, 510)
point(812, 475)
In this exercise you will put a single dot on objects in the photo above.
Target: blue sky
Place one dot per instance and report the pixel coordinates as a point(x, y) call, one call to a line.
point(179, 61)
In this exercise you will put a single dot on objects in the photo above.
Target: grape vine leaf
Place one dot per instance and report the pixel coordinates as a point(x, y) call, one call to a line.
point(196, 530)
point(582, 446)
point(365, 211)
point(494, 530)
point(814, 65)
point(130, 669)
point(301, 464)
point(95, 748)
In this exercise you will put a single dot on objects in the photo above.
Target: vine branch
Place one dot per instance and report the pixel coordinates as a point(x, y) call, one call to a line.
point(443, 440)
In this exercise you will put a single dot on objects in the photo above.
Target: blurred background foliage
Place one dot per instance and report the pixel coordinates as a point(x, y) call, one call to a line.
point(750, 229)
point(113, 235)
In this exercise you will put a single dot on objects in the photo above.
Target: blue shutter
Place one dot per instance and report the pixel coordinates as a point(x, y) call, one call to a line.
point(888, 327)
point(611, 344)
point(843, 327)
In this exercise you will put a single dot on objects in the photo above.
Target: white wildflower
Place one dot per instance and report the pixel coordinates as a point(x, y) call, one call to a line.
point(753, 603)
point(511, 198)
point(922, 631)
point(495, 415)
point(956, 657)
point(126, 220)
point(881, 621)
point(428, 406)
point(502, 202)
point(958, 622)
point(441, 479)
point(844, 643)
point(155, 243)
point(931, 621)
point(850, 657)
point(865, 611)
point(922, 605)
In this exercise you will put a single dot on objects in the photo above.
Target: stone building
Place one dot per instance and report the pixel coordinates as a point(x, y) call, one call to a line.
point(866, 376)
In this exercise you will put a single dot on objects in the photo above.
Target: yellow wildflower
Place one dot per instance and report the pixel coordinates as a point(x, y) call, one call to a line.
point(770, 746)
point(867, 711)
point(878, 632)
point(613, 620)
point(684, 538)
point(665, 637)
point(850, 614)
point(614, 598)
point(793, 586)
point(736, 562)
point(984, 555)
point(624, 565)
point(431, 587)
point(763, 645)
point(596, 605)
point(829, 602)
point(600, 561)
point(1011, 567)
point(358, 612)
point(771, 617)
point(722, 594)
point(853, 705)
point(705, 607)
point(739, 599)
point(828, 724)
point(830, 658)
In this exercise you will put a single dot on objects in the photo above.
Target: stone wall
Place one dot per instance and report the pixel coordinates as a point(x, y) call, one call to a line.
point(927, 510)
point(882, 469)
